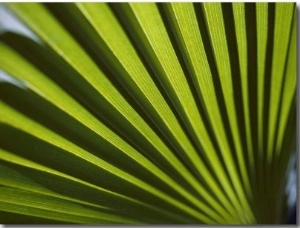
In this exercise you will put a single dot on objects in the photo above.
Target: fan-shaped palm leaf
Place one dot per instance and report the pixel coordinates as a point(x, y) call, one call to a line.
point(144, 113)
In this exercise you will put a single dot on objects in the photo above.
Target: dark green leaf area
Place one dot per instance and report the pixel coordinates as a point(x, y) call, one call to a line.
point(115, 204)
point(21, 219)
point(56, 158)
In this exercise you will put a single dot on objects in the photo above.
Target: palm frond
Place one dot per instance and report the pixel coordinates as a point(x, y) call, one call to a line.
point(147, 113)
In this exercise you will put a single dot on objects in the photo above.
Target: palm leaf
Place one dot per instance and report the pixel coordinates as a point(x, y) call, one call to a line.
point(147, 113)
